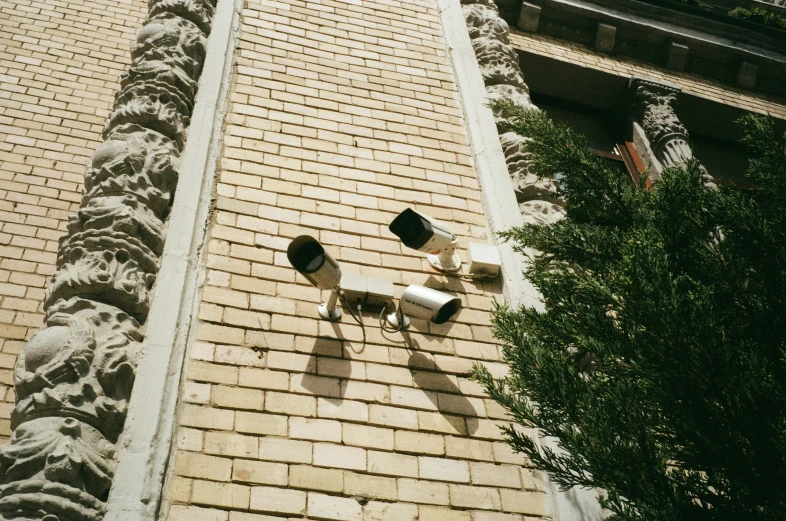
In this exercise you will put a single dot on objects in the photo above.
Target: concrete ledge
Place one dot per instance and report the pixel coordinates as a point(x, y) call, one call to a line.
point(499, 200)
point(502, 213)
point(145, 446)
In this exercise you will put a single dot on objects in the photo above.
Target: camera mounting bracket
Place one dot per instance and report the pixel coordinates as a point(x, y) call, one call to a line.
point(447, 259)
point(329, 310)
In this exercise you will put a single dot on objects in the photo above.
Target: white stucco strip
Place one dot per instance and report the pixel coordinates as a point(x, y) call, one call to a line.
point(145, 446)
point(502, 213)
point(499, 200)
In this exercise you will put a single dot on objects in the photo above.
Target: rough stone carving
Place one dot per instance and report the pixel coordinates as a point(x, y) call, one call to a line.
point(536, 211)
point(198, 12)
point(653, 107)
point(499, 66)
point(107, 265)
point(150, 110)
point(37, 499)
point(518, 95)
point(499, 62)
point(171, 39)
point(75, 377)
point(527, 186)
point(134, 161)
point(124, 213)
point(484, 22)
point(81, 364)
point(60, 450)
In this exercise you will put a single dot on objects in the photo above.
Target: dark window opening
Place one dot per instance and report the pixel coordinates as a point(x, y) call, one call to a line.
point(602, 129)
point(726, 161)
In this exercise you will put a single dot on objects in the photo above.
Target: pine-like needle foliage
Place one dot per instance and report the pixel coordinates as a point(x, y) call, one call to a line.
point(658, 361)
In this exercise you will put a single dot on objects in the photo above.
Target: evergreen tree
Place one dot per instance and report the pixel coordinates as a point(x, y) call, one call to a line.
point(658, 359)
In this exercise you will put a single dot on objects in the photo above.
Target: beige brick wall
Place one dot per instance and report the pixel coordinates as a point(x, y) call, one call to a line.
point(574, 53)
point(60, 62)
point(342, 115)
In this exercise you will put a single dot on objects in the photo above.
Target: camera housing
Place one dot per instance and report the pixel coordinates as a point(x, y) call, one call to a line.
point(426, 303)
point(310, 259)
point(423, 233)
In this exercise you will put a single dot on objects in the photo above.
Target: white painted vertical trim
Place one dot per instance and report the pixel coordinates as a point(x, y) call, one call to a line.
point(502, 213)
point(145, 447)
point(499, 199)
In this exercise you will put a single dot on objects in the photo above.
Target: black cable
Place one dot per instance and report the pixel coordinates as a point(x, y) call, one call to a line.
point(383, 322)
point(352, 313)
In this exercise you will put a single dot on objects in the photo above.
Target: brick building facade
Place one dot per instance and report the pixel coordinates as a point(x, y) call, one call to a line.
point(325, 118)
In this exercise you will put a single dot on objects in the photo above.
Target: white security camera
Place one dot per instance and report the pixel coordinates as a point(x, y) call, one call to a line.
point(420, 232)
point(310, 259)
point(422, 302)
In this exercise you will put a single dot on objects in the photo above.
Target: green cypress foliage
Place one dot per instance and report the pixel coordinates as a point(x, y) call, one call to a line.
point(658, 359)
point(759, 15)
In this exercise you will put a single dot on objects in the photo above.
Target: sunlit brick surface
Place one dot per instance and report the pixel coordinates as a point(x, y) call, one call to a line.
point(342, 115)
point(60, 62)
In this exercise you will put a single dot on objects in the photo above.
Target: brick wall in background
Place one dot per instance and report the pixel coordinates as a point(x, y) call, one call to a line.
point(60, 63)
point(342, 115)
point(690, 84)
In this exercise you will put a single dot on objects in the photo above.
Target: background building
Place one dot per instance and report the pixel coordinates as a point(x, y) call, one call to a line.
point(191, 378)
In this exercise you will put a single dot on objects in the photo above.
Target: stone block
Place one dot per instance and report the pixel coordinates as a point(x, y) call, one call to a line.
point(746, 77)
point(245, 516)
point(604, 38)
point(237, 397)
point(260, 472)
point(207, 417)
point(465, 448)
point(339, 456)
point(677, 56)
point(196, 393)
point(503, 453)
point(529, 17)
point(263, 379)
point(315, 429)
point(227, 495)
point(494, 516)
point(282, 449)
point(230, 444)
point(365, 485)
point(179, 490)
point(335, 508)
point(314, 478)
point(431, 513)
point(377, 511)
point(259, 423)
point(393, 417)
point(367, 436)
point(495, 475)
point(342, 409)
point(191, 513)
point(391, 464)
point(197, 465)
point(443, 423)
point(413, 398)
point(419, 443)
point(481, 498)
point(441, 469)
point(214, 373)
point(293, 404)
point(428, 492)
point(532, 503)
point(278, 500)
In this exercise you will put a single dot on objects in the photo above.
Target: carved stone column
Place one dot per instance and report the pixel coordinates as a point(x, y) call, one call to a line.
point(499, 65)
point(75, 376)
point(652, 106)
